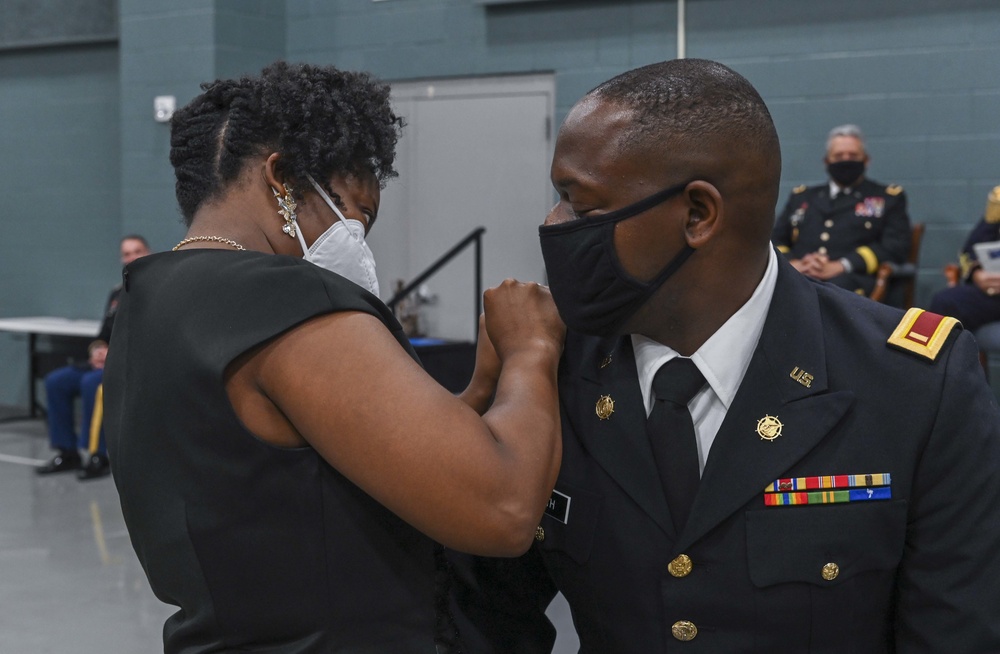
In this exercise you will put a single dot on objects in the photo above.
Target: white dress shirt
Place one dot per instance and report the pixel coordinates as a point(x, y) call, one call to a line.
point(723, 359)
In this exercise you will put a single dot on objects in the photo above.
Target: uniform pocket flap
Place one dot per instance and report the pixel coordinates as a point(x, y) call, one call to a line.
point(824, 544)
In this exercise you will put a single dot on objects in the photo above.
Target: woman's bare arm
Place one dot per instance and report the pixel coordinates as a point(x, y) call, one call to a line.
point(346, 387)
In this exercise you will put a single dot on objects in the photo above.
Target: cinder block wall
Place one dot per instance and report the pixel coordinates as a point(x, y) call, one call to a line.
point(85, 162)
point(919, 76)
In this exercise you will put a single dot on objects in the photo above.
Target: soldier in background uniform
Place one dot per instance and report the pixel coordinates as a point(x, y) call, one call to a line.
point(976, 301)
point(64, 385)
point(841, 231)
point(827, 476)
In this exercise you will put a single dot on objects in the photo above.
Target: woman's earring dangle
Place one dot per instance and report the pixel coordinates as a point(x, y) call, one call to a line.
point(286, 208)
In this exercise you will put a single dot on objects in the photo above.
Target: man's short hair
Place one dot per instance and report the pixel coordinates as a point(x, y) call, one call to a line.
point(846, 130)
point(134, 237)
point(693, 100)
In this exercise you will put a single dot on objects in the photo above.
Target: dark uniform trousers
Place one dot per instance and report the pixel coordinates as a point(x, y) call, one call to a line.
point(914, 573)
point(867, 225)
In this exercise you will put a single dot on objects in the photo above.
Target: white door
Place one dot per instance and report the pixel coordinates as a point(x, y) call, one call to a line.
point(474, 152)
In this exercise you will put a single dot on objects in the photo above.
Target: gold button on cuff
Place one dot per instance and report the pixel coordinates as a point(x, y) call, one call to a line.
point(684, 630)
point(539, 533)
point(830, 571)
point(680, 567)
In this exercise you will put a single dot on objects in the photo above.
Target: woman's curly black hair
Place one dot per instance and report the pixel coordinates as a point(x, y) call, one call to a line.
point(323, 121)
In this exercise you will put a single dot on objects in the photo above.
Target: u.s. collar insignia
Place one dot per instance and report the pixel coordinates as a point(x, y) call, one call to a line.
point(605, 407)
point(801, 376)
point(769, 428)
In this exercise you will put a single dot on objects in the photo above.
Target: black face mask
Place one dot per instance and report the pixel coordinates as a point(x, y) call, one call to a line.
point(845, 173)
point(593, 293)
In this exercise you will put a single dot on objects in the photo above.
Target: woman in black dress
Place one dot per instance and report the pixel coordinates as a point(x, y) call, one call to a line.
point(288, 472)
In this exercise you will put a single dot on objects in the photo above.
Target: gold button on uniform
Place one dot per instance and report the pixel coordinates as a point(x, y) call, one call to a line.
point(828, 223)
point(824, 236)
point(830, 571)
point(681, 566)
point(684, 630)
point(822, 250)
point(539, 533)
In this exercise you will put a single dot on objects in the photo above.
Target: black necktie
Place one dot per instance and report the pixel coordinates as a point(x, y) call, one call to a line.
point(671, 433)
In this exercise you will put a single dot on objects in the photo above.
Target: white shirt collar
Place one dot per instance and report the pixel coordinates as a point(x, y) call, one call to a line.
point(724, 358)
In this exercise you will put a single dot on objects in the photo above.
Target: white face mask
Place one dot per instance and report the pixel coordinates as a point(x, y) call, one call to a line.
point(342, 248)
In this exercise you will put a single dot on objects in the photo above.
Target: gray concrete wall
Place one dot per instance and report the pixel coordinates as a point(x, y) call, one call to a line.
point(86, 162)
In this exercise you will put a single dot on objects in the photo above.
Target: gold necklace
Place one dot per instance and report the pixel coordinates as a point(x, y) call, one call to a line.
point(216, 239)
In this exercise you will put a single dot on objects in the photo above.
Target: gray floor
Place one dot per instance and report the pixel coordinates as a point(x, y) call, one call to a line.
point(69, 580)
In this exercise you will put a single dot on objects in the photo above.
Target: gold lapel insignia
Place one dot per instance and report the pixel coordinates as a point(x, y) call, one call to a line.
point(605, 407)
point(606, 361)
point(801, 376)
point(769, 428)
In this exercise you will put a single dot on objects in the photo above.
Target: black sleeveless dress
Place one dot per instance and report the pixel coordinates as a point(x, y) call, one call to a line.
point(264, 549)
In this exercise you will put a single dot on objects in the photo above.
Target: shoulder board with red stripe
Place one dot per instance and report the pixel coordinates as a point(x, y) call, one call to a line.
point(923, 333)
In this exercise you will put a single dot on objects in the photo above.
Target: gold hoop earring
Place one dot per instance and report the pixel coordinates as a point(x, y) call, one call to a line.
point(286, 209)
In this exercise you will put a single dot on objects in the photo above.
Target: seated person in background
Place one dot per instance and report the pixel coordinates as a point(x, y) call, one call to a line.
point(64, 385)
point(840, 231)
point(976, 301)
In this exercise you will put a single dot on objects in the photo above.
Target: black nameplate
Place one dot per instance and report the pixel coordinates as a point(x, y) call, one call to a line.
point(558, 506)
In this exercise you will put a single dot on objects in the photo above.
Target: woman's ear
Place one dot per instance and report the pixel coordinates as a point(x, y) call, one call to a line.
point(272, 177)
point(705, 212)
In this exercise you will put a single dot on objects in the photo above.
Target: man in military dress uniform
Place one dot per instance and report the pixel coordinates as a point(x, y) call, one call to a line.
point(976, 301)
point(752, 461)
point(841, 231)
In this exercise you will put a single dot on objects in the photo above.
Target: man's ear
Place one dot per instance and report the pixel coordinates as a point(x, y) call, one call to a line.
point(705, 212)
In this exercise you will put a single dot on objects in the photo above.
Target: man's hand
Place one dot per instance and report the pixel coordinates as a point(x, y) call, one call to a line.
point(818, 266)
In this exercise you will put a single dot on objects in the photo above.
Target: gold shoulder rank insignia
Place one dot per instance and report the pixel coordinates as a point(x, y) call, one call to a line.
point(993, 206)
point(799, 189)
point(923, 333)
point(893, 189)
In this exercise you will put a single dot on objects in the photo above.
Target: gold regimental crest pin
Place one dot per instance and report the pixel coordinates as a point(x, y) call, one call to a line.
point(605, 407)
point(769, 428)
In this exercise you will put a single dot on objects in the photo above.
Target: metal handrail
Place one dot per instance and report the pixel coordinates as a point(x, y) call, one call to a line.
point(475, 236)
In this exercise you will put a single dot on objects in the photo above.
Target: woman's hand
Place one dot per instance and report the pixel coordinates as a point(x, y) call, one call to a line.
point(522, 315)
point(987, 282)
point(479, 393)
